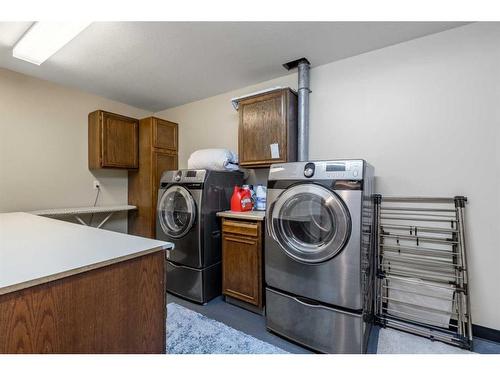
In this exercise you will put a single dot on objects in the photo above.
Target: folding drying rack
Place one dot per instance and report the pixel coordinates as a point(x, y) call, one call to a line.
point(421, 263)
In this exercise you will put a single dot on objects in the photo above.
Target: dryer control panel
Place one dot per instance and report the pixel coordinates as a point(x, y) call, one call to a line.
point(319, 170)
point(184, 176)
point(344, 170)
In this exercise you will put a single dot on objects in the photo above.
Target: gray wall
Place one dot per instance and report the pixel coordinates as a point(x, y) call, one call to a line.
point(425, 113)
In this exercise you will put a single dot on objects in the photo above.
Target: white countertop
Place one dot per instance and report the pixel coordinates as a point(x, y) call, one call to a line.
point(36, 249)
point(247, 215)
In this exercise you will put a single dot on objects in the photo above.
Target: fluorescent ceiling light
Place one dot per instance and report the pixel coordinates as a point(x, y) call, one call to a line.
point(44, 39)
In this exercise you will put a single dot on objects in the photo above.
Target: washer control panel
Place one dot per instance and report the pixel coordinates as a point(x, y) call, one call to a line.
point(320, 170)
point(344, 170)
point(309, 170)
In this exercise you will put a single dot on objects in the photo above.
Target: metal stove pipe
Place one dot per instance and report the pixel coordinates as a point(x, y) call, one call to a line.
point(303, 66)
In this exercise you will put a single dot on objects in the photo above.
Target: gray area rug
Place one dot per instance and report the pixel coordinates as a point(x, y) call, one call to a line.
point(189, 332)
point(391, 341)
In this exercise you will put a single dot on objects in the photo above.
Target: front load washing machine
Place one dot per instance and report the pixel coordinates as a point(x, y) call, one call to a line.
point(319, 254)
point(188, 201)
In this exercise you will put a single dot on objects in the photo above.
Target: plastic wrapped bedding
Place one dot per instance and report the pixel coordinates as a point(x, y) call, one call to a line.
point(218, 159)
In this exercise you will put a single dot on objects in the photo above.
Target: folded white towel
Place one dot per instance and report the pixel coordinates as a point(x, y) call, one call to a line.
point(218, 159)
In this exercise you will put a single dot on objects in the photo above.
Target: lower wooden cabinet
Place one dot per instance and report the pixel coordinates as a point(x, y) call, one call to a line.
point(161, 161)
point(242, 261)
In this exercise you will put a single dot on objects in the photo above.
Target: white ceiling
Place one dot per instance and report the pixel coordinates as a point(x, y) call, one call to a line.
point(157, 65)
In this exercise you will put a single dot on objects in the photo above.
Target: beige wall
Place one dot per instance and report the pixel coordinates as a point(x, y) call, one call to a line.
point(43, 148)
point(425, 113)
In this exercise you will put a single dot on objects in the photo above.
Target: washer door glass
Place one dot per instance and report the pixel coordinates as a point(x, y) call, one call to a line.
point(310, 222)
point(176, 211)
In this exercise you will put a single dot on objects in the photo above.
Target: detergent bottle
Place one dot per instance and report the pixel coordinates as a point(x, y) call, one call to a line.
point(260, 198)
point(241, 199)
point(252, 194)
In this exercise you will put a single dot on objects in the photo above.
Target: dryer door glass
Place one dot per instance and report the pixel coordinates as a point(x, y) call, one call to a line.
point(176, 211)
point(310, 222)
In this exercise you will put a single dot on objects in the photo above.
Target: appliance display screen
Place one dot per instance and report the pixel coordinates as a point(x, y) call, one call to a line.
point(191, 174)
point(335, 167)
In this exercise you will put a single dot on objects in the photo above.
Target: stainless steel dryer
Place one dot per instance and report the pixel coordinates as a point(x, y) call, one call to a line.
point(319, 254)
point(188, 201)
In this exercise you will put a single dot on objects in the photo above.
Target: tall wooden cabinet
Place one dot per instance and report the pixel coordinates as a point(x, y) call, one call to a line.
point(158, 140)
point(113, 141)
point(267, 130)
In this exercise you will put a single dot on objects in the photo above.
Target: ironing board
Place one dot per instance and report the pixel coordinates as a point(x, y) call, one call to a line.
point(77, 211)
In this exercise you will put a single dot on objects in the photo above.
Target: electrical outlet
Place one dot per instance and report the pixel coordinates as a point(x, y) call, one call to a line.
point(97, 184)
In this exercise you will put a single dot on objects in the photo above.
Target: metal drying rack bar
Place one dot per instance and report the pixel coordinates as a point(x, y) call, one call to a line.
point(421, 262)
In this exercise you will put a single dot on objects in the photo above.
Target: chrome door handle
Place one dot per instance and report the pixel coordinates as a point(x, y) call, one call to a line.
point(269, 220)
point(319, 306)
point(179, 266)
point(299, 300)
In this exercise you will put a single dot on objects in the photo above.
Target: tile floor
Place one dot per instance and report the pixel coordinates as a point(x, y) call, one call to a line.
point(255, 325)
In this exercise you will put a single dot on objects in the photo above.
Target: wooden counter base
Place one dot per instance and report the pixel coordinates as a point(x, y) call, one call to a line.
point(242, 262)
point(119, 308)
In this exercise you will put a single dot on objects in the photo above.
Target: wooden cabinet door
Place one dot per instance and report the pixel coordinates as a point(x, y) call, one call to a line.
point(162, 161)
point(165, 134)
point(262, 124)
point(241, 268)
point(120, 141)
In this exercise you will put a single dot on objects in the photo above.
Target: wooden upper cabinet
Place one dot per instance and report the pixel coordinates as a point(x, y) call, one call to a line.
point(113, 141)
point(267, 131)
point(164, 134)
